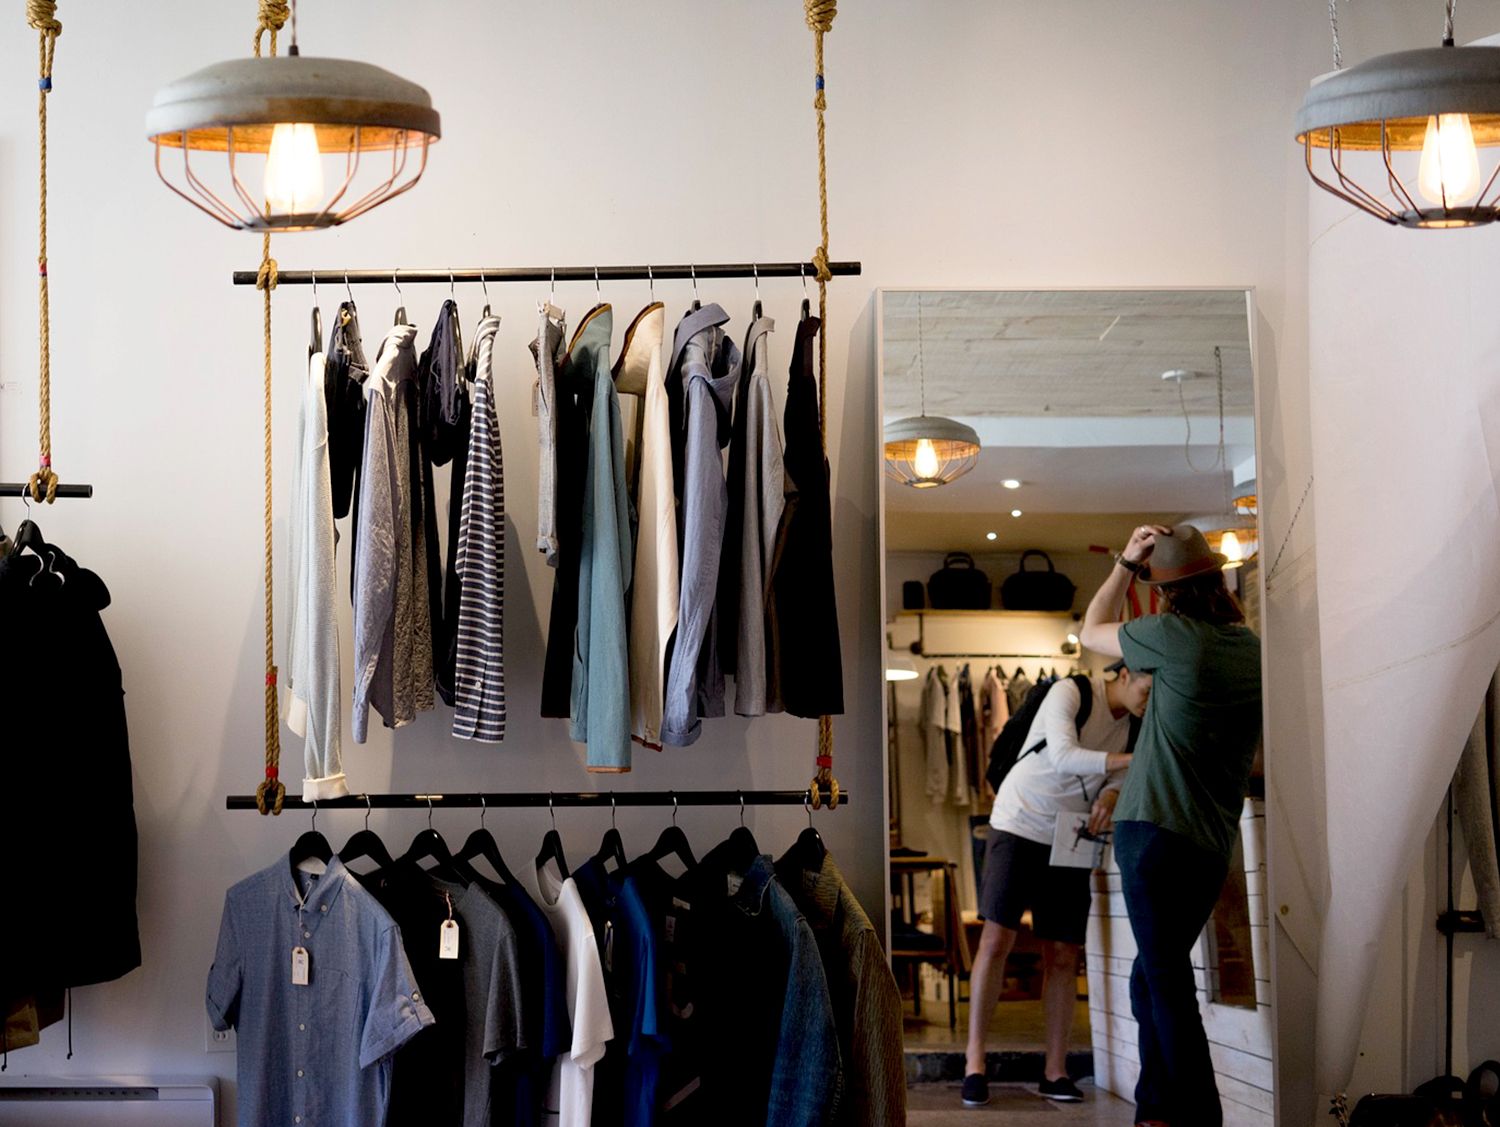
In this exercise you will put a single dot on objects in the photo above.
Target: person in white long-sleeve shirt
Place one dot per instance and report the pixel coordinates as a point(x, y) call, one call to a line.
point(1076, 771)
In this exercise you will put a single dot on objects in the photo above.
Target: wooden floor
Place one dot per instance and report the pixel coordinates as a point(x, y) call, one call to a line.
point(1014, 1105)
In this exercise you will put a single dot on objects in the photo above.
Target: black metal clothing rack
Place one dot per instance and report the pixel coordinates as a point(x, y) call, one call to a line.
point(16, 488)
point(476, 800)
point(487, 274)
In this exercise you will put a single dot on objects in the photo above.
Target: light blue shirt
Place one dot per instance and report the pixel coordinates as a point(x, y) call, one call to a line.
point(318, 1054)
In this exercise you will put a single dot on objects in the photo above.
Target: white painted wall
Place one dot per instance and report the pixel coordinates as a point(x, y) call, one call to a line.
point(971, 145)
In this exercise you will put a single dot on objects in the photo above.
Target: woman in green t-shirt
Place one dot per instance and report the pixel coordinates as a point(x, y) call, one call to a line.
point(1179, 811)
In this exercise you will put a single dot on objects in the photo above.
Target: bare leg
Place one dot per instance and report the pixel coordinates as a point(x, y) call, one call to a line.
point(985, 982)
point(1059, 994)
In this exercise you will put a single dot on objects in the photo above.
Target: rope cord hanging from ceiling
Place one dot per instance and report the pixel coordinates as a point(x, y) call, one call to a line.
point(271, 792)
point(820, 15)
point(42, 15)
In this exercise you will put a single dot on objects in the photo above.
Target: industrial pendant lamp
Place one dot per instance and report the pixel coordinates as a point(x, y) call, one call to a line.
point(279, 124)
point(925, 450)
point(1442, 102)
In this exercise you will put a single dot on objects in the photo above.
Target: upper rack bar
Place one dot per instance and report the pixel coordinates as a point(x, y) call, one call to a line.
point(476, 800)
point(642, 273)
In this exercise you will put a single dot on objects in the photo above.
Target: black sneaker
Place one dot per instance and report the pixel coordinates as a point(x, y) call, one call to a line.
point(976, 1090)
point(1063, 1091)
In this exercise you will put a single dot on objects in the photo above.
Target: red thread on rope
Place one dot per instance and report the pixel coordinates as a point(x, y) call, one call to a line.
point(271, 772)
point(46, 461)
point(825, 761)
point(271, 677)
point(41, 268)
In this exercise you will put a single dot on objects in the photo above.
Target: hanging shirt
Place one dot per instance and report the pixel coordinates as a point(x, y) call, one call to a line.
point(701, 379)
point(392, 634)
point(953, 729)
point(443, 412)
point(520, 1087)
point(315, 704)
point(968, 715)
point(479, 564)
point(344, 392)
point(866, 1000)
point(572, 406)
point(547, 350)
point(771, 1054)
point(318, 1053)
point(625, 1080)
point(1017, 690)
point(932, 722)
point(572, 1094)
point(810, 674)
point(654, 592)
point(600, 711)
point(757, 490)
point(996, 708)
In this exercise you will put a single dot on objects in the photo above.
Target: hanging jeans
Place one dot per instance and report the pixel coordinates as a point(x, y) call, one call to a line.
point(1171, 886)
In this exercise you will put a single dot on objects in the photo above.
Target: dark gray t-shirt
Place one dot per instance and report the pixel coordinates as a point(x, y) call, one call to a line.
point(494, 1026)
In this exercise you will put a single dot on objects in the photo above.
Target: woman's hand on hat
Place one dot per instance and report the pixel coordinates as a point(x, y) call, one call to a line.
point(1143, 541)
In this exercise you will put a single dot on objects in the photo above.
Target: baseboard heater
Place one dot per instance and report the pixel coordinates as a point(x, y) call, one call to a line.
point(107, 1102)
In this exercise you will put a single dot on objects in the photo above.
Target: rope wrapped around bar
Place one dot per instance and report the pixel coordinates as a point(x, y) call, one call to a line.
point(271, 792)
point(820, 15)
point(42, 15)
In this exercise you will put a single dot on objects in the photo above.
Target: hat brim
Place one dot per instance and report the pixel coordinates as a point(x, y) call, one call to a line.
point(1214, 561)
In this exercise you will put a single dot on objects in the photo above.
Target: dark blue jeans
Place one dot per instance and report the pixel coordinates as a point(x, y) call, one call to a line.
point(1170, 886)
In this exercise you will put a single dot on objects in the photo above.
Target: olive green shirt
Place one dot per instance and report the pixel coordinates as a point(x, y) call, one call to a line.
point(1192, 761)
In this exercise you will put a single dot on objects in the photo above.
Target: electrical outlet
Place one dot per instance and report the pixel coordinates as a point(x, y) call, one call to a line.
point(220, 1040)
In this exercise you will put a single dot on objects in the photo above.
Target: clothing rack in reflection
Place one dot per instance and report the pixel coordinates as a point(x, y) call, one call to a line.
point(16, 488)
point(967, 654)
point(476, 800)
point(498, 274)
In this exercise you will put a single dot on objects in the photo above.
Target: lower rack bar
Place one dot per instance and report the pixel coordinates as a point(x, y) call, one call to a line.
point(641, 273)
point(496, 799)
point(16, 488)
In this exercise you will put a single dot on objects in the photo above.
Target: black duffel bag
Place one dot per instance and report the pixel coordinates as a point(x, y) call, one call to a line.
point(959, 585)
point(1037, 590)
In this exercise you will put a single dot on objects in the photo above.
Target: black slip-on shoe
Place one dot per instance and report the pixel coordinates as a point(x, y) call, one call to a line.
point(976, 1091)
point(1063, 1091)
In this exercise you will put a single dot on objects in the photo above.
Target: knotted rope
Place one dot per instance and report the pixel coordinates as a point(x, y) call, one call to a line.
point(271, 793)
point(42, 15)
point(820, 14)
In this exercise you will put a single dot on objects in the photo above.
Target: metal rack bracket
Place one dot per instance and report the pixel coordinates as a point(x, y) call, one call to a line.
point(476, 800)
point(498, 274)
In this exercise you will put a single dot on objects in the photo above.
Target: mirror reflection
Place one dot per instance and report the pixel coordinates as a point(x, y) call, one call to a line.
point(1030, 437)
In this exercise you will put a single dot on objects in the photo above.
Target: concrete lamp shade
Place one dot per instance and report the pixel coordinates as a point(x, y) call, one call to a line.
point(1358, 125)
point(927, 450)
point(277, 122)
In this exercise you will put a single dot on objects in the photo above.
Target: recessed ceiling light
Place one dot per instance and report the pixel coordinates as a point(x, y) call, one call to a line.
point(1011, 483)
point(992, 536)
point(1015, 512)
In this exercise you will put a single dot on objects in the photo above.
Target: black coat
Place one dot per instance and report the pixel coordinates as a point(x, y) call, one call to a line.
point(804, 614)
point(68, 884)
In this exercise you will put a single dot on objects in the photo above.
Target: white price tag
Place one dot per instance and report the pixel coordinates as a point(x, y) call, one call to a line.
point(301, 966)
point(448, 939)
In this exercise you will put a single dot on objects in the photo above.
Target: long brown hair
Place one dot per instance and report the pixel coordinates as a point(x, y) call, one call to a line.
point(1204, 597)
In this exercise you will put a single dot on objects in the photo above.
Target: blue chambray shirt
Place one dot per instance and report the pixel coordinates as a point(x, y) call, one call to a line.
point(318, 1054)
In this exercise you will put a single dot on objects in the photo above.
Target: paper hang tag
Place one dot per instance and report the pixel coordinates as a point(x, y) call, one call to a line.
point(448, 939)
point(301, 966)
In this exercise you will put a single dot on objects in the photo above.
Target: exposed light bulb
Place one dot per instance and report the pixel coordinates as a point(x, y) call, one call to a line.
point(1234, 554)
point(294, 170)
point(926, 462)
point(1072, 639)
point(1011, 483)
point(1449, 172)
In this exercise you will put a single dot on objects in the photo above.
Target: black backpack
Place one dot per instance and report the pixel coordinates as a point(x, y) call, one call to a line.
point(1009, 746)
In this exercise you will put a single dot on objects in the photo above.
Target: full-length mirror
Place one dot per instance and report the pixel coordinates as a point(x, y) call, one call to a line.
point(1028, 437)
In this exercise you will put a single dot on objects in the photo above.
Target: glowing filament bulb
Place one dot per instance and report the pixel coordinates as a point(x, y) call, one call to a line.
point(926, 463)
point(294, 170)
point(1449, 172)
point(1234, 554)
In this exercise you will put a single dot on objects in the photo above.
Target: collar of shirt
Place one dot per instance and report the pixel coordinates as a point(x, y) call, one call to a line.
point(322, 892)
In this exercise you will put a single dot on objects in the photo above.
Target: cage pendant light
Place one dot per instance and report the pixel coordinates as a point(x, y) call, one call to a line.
point(1400, 136)
point(294, 143)
point(924, 451)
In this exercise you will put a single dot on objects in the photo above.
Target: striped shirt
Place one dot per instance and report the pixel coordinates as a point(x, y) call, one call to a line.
point(479, 689)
